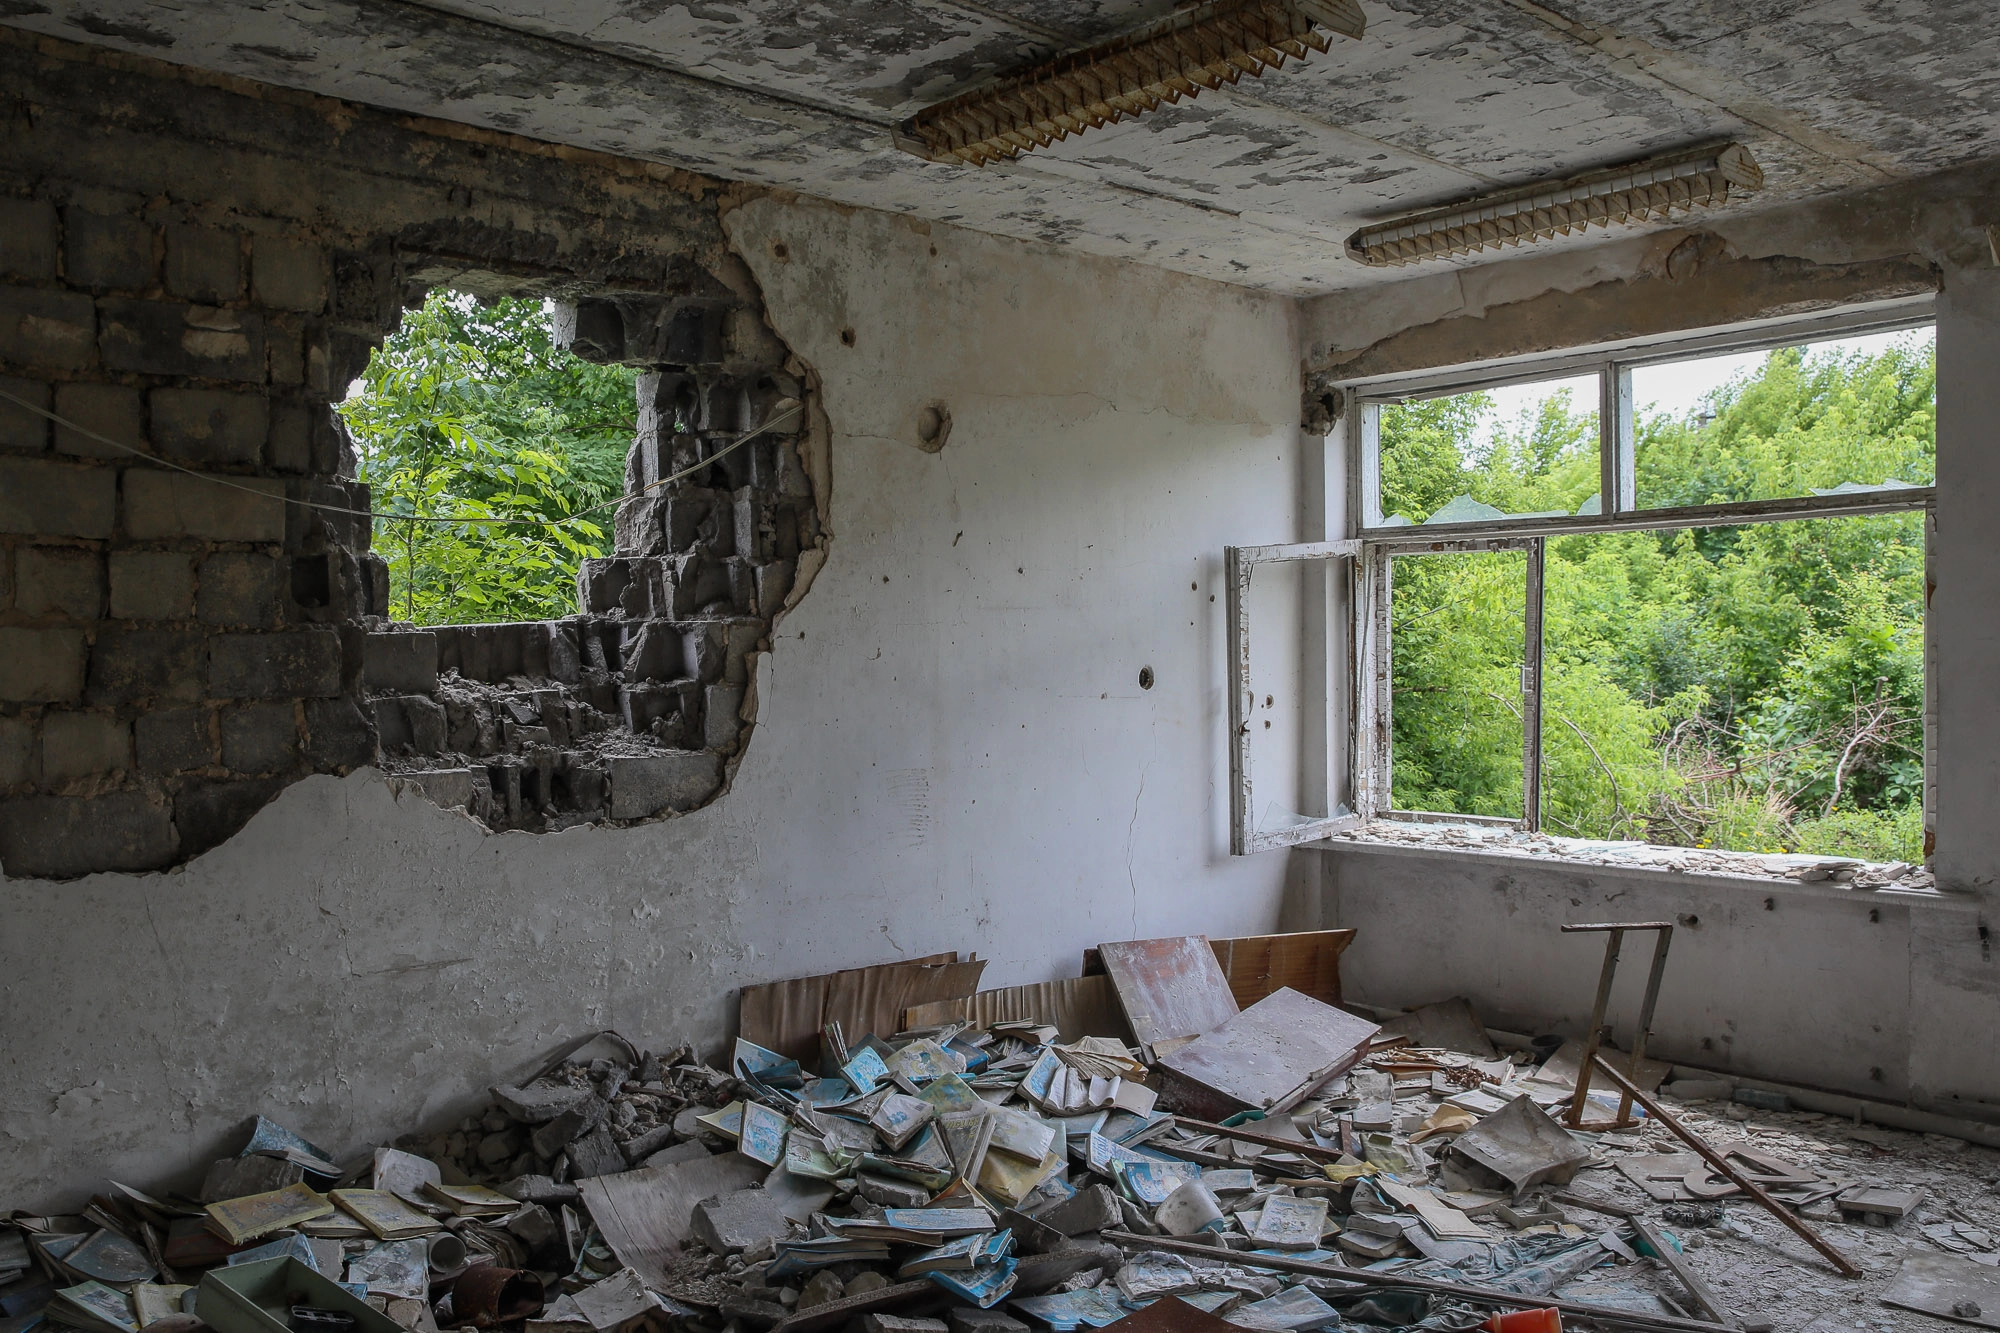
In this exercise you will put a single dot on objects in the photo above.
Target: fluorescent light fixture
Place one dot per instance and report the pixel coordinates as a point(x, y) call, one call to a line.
point(1634, 192)
point(1201, 47)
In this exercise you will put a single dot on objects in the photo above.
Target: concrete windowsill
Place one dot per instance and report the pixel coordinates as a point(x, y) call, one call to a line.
point(1361, 844)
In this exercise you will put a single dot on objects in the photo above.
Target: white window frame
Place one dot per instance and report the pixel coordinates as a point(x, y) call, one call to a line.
point(1365, 551)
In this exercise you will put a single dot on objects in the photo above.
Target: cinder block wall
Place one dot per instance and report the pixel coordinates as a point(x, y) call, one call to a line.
point(198, 268)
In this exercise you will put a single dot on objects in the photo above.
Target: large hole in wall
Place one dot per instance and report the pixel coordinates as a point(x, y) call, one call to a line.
point(575, 549)
point(472, 411)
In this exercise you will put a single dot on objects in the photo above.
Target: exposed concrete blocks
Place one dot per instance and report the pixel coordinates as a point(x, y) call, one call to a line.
point(403, 662)
point(210, 426)
point(21, 428)
point(204, 263)
point(61, 837)
point(41, 665)
point(287, 275)
point(43, 328)
point(410, 724)
point(151, 585)
point(175, 649)
point(27, 239)
point(82, 745)
point(109, 251)
point(260, 738)
point(17, 751)
point(132, 666)
point(53, 499)
point(171, 338)
point(172, 504)
point(105, 412)
point(238, 588)
point(296, 664)
point(676, 780)
point(64, 581)
point(208, 811)
point(174, 740)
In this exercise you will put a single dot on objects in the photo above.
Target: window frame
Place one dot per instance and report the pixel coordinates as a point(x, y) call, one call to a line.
point(1370, 739)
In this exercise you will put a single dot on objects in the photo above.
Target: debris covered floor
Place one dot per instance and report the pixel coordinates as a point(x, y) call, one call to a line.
point(1005, 1170)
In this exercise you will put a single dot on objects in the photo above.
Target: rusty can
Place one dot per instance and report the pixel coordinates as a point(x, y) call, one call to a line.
point(485, 1296)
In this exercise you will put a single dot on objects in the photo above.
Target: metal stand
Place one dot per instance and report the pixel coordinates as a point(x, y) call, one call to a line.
point(1616, 935)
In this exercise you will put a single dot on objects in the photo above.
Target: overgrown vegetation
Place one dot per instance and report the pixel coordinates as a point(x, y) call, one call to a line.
point(1758, 688)
point(472, 412)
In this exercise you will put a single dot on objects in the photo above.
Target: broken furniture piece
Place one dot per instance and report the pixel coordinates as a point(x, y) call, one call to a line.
point(1268, 1058)
point(1722, 1164)
point(1615, 936)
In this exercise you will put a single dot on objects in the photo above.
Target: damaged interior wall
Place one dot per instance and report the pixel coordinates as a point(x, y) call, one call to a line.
point(1035, 461)
point(1864, 993)
point(196, 620)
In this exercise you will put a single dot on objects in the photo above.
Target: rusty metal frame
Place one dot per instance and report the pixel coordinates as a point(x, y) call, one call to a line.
point(1239, 563)
point(1370, 746)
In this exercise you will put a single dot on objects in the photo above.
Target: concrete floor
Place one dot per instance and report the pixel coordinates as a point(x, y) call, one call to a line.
point(1759, 1269)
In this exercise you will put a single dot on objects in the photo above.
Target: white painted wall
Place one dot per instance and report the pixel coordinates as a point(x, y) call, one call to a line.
point(952, 751)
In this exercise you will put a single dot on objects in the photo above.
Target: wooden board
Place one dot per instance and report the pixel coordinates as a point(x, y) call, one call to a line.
point(1269, 1057)
point(787, 1016)
point(1307, 961)
point(1077, 1007)
point(644, 1214)
point(1935, 1284)
point(1168, 988)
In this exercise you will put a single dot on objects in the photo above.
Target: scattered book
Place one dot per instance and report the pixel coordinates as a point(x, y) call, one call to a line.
point(385, 1214)
point(240, 1221)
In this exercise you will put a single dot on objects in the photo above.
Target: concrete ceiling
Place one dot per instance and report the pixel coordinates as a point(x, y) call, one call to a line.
point(1257, 185)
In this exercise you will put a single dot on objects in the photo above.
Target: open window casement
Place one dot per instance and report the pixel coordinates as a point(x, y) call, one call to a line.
point(1289, 687)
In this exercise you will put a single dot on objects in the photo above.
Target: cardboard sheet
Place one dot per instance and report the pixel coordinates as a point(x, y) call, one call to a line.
point(644, 1214)
point(1077, 1007)
point(787, 1016)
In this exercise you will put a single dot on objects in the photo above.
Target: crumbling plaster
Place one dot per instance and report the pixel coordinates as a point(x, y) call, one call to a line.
point(1256, 185)
point(953, 750)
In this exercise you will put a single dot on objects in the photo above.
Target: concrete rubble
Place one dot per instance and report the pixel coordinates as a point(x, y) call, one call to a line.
point(966, 1178)
point(1831, 872)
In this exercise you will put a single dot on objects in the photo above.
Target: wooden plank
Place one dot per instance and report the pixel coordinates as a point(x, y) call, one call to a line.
point(872, 999)
point(1269, 1057)
point(1171, 987)
point(1307, 961)
point(1077, 1007)
point(1509, 1300)
point(786, 1016)
point(1706, 1302)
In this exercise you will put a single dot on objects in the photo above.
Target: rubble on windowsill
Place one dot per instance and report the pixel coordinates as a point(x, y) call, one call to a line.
point(1837, 872)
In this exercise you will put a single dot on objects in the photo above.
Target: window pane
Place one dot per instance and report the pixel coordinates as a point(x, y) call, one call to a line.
point(1754, 689)
point(1455, 637)
point(1287, 725)
point(1850, 414)
point(1523, 449)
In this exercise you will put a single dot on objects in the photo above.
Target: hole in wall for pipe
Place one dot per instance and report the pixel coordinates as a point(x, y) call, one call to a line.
point(1145, 678)
point(933, 427)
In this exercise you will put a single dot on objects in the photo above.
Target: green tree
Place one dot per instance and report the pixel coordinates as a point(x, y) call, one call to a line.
point(471, 413)
point(1758, 687)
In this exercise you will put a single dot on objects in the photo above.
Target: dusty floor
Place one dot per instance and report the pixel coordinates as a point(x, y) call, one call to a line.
point(1761, 1270)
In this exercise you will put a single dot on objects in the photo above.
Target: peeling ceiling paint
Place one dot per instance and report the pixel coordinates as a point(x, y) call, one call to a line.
point(1258, 185)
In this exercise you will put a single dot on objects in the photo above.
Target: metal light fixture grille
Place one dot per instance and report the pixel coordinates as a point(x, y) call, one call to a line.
point(1199, 48)
point(1635, 192)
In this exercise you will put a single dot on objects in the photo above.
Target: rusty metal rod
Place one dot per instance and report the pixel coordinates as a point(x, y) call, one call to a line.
point(1263, 1140)
point(1728, 1172)
point(1461, 1290)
